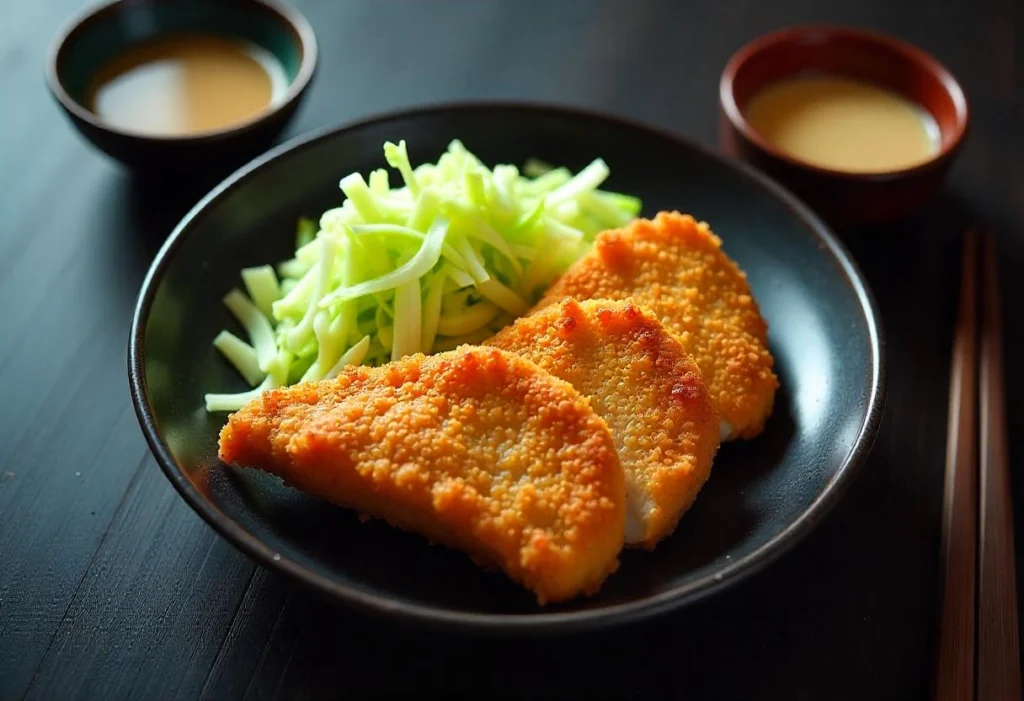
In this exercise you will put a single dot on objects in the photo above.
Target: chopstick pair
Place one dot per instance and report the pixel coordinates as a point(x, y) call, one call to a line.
point(978, 655)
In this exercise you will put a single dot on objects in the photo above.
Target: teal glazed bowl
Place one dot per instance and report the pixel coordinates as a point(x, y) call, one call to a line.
point(91, 40)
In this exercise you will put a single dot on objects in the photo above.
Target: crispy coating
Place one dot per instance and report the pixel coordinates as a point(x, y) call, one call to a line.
point(676, 267)
point(642, 383)
point(474, 448)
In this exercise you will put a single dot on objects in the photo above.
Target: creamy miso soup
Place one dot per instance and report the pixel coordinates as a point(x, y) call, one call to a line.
point(843, 124)
point(186, 84)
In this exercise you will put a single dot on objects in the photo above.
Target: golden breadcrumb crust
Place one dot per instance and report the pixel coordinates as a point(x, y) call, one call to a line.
point(641, 382)
point(676, 267)
point(474, 448)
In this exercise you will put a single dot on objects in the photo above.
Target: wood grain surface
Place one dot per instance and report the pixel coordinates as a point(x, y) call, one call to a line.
point(111, 588)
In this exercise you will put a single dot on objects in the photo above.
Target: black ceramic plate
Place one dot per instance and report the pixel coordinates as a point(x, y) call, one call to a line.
point(763, 495)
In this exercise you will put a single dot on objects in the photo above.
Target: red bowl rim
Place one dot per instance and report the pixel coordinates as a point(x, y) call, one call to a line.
point(753, 49)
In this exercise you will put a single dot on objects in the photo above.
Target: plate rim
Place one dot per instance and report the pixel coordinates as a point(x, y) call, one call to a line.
point(540, 622)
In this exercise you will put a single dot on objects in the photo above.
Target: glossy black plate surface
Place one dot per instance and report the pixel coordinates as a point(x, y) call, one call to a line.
point(763, 495)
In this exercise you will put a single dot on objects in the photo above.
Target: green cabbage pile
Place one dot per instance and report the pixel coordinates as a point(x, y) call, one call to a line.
point(453, 255)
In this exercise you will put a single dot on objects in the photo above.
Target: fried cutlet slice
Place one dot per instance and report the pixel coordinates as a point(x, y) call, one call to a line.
point(474, 448)
point(676, 267)
point(640, 381)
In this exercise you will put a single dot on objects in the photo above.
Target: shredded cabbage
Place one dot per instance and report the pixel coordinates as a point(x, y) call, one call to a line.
point(449, 257)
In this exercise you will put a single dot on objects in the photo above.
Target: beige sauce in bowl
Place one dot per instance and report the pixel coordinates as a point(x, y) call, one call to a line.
point(186, 84)
point(843, 124)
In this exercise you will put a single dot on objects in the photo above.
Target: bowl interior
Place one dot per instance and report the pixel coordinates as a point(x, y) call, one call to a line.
point(874, 58)
point(100, 37)
point(762, 494)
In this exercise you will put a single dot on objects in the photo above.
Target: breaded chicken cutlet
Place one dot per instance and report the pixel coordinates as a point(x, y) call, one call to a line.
point(641, 382)
point(676, 267)
point(474, 448)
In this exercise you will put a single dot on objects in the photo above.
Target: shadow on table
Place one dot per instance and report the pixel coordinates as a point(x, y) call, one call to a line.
point(129, 223)
point(153, 206)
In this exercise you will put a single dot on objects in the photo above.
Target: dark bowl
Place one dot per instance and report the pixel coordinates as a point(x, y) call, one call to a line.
point(90, 40)
point(764, 495)
point(844, 198)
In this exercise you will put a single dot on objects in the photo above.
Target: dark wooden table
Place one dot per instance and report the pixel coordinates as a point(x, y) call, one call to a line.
point(111, 588)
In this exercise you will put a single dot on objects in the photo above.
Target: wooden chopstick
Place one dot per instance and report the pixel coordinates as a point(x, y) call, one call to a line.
point(999, 677)
point(954, 675)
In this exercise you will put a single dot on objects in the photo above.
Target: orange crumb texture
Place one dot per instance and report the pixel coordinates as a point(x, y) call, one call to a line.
point(642, 383)
point(474, 448)
point(676, 267)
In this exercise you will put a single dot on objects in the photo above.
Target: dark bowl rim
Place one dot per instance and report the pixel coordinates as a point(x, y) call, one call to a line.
point(285, 14)
point(508, 624)
point(753, 50)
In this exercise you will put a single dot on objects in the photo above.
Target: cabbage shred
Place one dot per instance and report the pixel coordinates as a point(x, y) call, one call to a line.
point(451, 256)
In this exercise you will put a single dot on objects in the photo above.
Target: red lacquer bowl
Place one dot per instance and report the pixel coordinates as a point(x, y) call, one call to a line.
point(841, 197)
